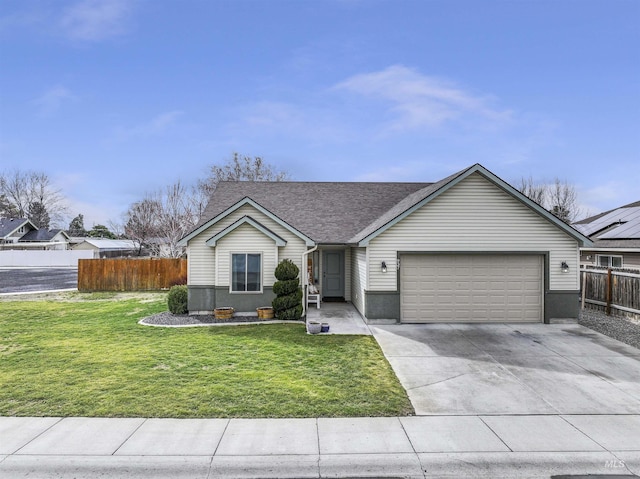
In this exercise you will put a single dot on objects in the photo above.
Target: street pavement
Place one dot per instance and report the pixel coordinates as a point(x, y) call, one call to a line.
point(32, 280)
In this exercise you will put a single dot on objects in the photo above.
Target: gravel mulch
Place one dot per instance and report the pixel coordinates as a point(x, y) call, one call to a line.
point(617, 327)
point(169, 319)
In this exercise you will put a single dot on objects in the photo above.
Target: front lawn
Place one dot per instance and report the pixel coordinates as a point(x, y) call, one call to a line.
point(87, 356)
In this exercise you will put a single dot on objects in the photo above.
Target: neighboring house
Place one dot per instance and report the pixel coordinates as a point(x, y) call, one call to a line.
point(468, 248)
point(616, 238)
point(22, 234)
point(108, 248)
point(162, 248)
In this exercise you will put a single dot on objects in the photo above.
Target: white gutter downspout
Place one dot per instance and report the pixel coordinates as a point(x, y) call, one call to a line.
point(306, 288)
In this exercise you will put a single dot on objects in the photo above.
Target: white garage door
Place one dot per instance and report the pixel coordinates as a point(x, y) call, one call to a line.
point(471, 288)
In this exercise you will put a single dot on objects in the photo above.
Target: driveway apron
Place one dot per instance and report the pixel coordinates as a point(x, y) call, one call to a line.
point(496, 369)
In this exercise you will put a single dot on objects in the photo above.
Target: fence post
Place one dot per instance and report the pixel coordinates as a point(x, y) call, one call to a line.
point(584, 286)
point(609, 291)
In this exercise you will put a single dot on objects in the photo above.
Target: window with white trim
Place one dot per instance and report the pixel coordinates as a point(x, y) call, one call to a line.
point(610, 261)
point(246, 272)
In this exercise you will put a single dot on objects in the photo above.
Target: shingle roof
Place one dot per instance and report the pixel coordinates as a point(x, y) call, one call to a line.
point(346, 213)
point(40, 235)
point(327, 212)
point(9, 225)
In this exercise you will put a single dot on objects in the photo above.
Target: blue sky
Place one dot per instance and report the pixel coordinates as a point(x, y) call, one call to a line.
point(116, 98)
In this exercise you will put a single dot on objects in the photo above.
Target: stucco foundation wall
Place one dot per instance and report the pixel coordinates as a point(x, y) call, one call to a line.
point(204, 299)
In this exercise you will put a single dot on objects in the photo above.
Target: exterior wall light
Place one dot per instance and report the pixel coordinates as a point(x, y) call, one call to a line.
point(565, 267)
point(384, 267)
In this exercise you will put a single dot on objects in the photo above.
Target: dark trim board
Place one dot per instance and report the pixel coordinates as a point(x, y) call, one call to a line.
point(561, 305)
point(382, 305)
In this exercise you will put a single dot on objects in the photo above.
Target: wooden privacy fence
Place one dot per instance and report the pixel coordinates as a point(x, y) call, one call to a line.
point(611, 289)
point(130, 274)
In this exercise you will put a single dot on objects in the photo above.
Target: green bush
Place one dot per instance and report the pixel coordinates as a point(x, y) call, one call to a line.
point(288, 301)
point(177, 299)
point(282, 288)
point(286, 270)
point(291, 313)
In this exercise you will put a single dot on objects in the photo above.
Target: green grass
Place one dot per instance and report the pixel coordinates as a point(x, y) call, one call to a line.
point(87, 356)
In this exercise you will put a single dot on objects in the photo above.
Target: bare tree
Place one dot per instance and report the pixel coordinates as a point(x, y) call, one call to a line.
point(21, 190)
point(161, 219)
point(177, 217)
point(240, 168)
point(563, 201)
point(534, 191)
point(142, 221)
point(559, 197)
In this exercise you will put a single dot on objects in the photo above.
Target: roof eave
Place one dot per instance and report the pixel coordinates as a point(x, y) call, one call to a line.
point(245, 201)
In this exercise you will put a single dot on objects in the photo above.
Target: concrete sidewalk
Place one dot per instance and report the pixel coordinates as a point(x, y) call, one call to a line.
point(416, 447)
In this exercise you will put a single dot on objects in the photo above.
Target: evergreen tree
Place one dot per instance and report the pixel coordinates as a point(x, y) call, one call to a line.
point(76, 227)
point(38, 215)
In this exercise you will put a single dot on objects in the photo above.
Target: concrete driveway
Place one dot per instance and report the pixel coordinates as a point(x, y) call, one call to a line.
point(467, 369)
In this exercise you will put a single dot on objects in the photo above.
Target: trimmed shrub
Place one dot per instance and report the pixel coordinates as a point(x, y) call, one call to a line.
point(177, 299)
point(292, 313)
point(283, 288)
point(288, 301)
point(286, 270)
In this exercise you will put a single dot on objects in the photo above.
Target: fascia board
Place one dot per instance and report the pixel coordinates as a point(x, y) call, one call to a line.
point(246, 220)
point(611, 249)
point(245, 201)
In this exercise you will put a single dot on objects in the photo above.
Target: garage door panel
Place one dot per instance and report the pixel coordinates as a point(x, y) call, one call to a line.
point(471, 288)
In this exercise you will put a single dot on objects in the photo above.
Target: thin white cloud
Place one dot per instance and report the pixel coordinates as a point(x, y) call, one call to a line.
point(53, 99)
point(156, 126)
point(421, 101)
point(277, 118)
point(95, 20)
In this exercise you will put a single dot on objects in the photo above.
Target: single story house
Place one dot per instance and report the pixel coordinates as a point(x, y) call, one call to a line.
point(616, 238)
point(109, 248)
point(22, 234)
point(468, 248)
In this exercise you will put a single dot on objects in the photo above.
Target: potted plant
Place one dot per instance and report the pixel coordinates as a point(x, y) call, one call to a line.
point(223, 313)
point(314, 327)
point(265, 312)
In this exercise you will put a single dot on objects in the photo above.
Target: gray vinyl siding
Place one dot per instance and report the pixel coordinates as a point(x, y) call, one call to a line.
point(474, 216)
point(202, 258)
point(358, 277)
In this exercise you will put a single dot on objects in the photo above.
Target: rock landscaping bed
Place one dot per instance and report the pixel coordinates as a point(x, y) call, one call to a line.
point(621, 328)
point(168, 319)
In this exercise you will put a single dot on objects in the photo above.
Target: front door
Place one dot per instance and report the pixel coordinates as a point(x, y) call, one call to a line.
point(333, 274)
